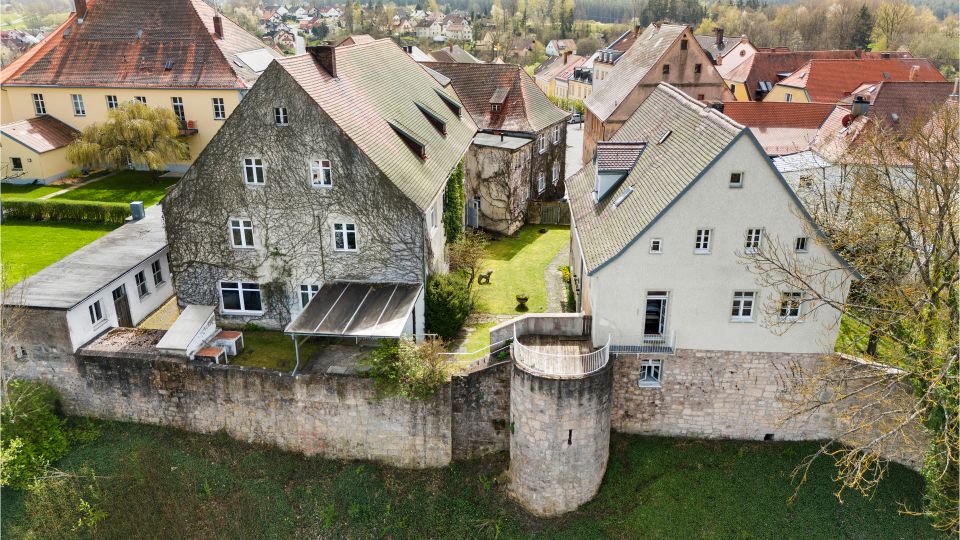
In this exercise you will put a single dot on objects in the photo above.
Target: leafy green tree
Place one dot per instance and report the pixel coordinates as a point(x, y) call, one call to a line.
point(448, 303)
point(453, 205)
point(33, 433)
point(133, 134)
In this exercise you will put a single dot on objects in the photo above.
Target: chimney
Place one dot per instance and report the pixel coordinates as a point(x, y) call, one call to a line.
point(450, 47)
point(719, 33)
point(217, 25)
point(636, 29)
point(860, 106)
point(326, 56)
point(859, 52)
point(914, 72)
point(80, 6)
point(565, 55)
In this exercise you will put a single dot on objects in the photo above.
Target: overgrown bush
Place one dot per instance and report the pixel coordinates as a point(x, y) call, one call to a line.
point(66, 506)
point(448, 304)
point(65, 210)
point(565, 273)
point(33, 432)
point(454, 200)
point(568, 104)
point(400, 367)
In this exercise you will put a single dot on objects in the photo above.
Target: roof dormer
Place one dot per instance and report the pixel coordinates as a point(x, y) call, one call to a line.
point(498, 99)
point(613, 162)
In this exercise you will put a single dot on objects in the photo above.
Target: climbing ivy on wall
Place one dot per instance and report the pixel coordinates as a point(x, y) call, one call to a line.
point(454, 200)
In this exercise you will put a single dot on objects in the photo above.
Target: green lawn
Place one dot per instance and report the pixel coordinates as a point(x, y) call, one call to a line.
point(124, 187)
point(163, 483)
point(28, 247)
point(274, 350)
point(479, 337)
point(518, 263)
point(26, 191)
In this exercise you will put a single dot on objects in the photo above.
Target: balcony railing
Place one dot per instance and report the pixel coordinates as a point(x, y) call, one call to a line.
point(559, 365)
point(643, 343)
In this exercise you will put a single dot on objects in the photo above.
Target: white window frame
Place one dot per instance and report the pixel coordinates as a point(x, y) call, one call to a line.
point(651, 373)
point(39, 106)
point(541, 182)
point(156, 268)
point(13, 165)
point(701, 243)
point(791, 305)
point(753, 239)
point(556, 173)
point(243, 227)
point(656, 246)
point(177, 103)
point(280, 116)
point(250, 166)
point(798, 248)
point(241, 286)
point(541, 143)
point(321, 173)
point(738, 183)
point(345, 229)
point(743, 306)
point(307, 292)
point(78, 108)
point(433, 217)
point(141, 99)
point(556, 134)
point(97, 316)
point(219, 109)
point(140, 280)
point(112, 102)
point(788, 97)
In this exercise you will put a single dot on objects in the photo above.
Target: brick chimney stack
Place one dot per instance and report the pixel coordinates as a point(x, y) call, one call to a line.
point(80, 6)
point(565, 55)
point(450, 47)
point(217, 25)
point(719, 33)
point(914, 72)
point(326, 57)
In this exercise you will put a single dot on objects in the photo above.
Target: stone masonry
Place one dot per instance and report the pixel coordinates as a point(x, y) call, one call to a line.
point(480, 403)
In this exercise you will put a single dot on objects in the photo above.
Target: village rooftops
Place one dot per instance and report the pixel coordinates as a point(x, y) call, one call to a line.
point(781, 128)
point(525, 107)
point(454, 53)
point(143, 44)
point(83, 273)
point(827, 81)
point(718, 46)
point(40, 134)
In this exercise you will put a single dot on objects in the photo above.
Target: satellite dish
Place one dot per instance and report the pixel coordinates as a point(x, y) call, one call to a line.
point(846, 120)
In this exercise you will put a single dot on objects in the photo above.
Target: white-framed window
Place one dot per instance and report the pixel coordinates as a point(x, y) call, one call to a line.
point(556, 172)
point(219, 109)
point(702, 243)
point(240, 297)
point(157, 270)
point(141, 99)
point(541, 143)
point(141, 280)
point(39, 107)
point(96, 312)
point(656, 245)
point(495, 107)
point(253, 171)
point(752, 241)
point(16, 164)
point(556, 134)
point(742, 306)
point(307, 292)
point(788, 97)
point(790, 303)
point(280, 116)
point(112, 102)
point(736, 179)
point(650, 373)
point(177, 103)
point(433, 217)
point(541, 182)
point(78, 108)
point(800, 244)
point(321, 173)
point(241, 233)
point(344, 237)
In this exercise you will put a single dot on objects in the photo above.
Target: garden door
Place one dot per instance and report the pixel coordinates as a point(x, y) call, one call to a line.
point(121, 305)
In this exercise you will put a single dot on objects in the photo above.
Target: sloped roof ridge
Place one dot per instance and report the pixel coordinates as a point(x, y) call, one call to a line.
point(714, 115)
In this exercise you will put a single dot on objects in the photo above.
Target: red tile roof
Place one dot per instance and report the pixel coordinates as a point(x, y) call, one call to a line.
point(828, 81)
point(771, 114)
point(128, 43)
point(40, 134)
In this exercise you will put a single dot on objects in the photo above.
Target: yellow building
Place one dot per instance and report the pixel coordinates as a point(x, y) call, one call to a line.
point(35, 149)
point(179, 54)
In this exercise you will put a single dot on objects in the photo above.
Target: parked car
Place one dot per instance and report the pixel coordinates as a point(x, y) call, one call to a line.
point(575, 118)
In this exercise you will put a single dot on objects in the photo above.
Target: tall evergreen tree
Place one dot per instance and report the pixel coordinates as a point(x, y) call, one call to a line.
point(862, 27)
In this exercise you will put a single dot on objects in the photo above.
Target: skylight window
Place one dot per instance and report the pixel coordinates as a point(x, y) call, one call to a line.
point(623, 197)
point(435, 120)
point(663, 136)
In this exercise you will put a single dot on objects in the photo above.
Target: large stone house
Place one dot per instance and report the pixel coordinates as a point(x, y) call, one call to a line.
point(519, 155)
point(662, 220)
point(662, 53)
point(322, 195)
point(179, 54)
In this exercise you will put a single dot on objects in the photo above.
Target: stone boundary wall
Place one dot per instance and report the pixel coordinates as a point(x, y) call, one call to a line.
point(333, 416)
point(546, 324)
point(480, 403)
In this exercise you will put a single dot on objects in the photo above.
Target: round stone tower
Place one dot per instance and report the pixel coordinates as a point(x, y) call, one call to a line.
point(561, 437)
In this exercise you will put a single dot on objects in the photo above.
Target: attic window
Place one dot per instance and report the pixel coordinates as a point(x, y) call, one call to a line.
point(139, 33)
point(451, 103)
point(168, 65)
point(623, 197)
point(663, 136)
point(683, 44)
point(434, 119)
point(417, 146)
point(495, 107)
point(498, 98)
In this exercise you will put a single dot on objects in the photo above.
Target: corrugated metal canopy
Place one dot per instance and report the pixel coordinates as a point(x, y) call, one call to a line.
point(357, 310)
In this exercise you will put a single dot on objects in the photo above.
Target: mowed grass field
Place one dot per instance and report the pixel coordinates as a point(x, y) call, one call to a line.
point(163, 483)
point(123, 187)
point(26, 247)
point(518, 263)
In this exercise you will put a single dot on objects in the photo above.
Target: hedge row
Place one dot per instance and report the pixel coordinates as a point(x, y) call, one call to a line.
point(65, 210)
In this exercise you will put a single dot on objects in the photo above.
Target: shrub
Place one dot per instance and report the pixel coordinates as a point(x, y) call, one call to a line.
point(65, 210)
point(400, 367)
point(448, 304)
point(33, 432)
point(565, 273)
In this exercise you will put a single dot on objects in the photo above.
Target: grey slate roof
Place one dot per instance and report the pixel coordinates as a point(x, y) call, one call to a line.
point(631, 68)
point(72, 279)
point(378, 85)
point(698, 135)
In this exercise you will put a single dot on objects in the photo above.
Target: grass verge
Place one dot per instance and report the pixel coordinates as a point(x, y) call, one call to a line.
point(123, 187)
point(164, 483)
point(28, 247)
point(26, 191)
point(518, 263)
point(273, 350)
